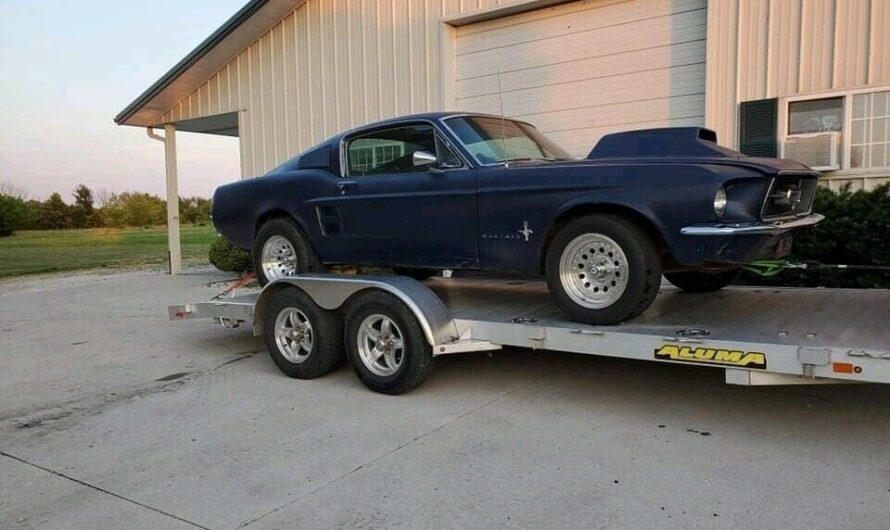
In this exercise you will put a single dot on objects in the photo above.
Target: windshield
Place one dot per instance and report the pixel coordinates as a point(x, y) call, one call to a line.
point(492, 140)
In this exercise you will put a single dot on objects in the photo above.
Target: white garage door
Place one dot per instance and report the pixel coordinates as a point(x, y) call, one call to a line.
point(584, 69)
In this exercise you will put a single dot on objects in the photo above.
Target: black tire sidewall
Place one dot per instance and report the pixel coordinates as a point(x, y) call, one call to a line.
point(417, 361)
point(327, 333)
point(644, 266)
point(288, 230)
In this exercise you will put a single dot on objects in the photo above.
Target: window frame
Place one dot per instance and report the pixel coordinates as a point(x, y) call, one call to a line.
point(437, 132)
point(846, 132)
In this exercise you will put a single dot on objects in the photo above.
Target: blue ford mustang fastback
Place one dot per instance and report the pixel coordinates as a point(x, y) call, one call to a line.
point(479, 192)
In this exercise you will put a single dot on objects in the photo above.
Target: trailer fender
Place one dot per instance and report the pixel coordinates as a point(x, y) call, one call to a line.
point(332, 291)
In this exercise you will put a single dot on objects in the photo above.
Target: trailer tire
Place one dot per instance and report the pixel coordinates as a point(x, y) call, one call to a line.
point(702, 281)
point(281, 250)
point(385, 344)
point(304, 340)
point(603, 269)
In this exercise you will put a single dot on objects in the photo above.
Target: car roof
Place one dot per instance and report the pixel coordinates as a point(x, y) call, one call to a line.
point(322, 148)
point(430, 116)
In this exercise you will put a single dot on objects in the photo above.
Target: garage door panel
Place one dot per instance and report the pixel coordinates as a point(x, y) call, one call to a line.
point(585, 69)
point(580, 142)
point(539, 26)
point(655, 110)
point(683, 80)
point(647, 34)
point(684, 54)
point(534, 16)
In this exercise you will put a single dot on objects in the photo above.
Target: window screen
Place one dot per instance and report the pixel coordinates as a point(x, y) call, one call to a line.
point(816, 116)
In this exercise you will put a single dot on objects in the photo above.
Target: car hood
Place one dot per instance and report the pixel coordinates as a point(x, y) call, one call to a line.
point(763, 165)
point(680, 145)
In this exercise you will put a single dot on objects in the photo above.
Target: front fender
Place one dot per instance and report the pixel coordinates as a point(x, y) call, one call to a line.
point(624, 202)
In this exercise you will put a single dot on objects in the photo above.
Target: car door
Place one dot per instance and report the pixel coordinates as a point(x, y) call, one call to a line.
point(393, 212)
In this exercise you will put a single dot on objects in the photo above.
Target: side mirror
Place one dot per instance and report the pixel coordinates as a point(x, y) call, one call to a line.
point(424, 159)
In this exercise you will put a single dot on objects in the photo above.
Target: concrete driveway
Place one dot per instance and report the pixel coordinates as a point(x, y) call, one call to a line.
point(113, 417)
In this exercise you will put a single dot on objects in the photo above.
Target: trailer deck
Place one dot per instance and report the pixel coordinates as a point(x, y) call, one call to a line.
point(758, 335)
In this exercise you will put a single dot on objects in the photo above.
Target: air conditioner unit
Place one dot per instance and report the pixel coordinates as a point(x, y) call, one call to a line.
point(820, 151)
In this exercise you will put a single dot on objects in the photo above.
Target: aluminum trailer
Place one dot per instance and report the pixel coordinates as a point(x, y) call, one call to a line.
point(758, 335)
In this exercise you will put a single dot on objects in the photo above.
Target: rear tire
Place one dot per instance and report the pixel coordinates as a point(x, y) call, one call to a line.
point(304, 340)
point(603, 269)
point(280, 250)
point(386, 345)
point(702, 281)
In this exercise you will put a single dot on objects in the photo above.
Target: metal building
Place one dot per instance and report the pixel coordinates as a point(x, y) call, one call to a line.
point(805, 79)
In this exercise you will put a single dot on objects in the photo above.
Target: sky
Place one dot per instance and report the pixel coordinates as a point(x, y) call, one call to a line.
point(68, 67)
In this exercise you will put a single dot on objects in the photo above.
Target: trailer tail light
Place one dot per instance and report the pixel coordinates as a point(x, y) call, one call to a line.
point(846, 368)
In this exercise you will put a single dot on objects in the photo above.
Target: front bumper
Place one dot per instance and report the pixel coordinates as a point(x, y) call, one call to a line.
point(765, 228)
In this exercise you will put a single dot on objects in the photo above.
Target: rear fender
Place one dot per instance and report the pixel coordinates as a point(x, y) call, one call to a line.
point(333, 293)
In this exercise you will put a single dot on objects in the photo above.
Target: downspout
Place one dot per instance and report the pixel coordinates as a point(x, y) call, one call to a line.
point(174, 247)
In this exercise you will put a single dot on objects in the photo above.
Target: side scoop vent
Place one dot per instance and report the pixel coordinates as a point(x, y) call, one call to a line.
point(666, 142)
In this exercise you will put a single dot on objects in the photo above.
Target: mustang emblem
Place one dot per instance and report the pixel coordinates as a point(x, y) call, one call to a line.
point(526, 231)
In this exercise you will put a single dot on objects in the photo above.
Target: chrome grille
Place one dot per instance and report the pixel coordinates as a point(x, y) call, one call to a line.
point(790, 195)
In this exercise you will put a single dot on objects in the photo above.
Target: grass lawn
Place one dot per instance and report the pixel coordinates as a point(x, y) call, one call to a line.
point(31, 252)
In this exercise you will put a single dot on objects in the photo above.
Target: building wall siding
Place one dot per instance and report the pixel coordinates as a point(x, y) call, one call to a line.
point(328, 66)
point(334, 64)
point(776, 48)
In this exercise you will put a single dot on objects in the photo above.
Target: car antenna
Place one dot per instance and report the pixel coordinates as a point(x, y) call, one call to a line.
point(503, 121)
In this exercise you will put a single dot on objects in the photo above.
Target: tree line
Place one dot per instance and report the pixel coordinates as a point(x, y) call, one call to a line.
point(112, 210)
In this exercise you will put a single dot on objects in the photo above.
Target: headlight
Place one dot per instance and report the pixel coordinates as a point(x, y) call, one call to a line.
point(720, 202)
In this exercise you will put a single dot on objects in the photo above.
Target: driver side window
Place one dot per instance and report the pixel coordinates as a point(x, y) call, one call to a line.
point(389, 151)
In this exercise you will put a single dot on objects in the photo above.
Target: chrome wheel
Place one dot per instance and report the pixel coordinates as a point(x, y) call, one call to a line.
point(380, 345)
point(593, 270)
point(293, 335)
point(279, 258)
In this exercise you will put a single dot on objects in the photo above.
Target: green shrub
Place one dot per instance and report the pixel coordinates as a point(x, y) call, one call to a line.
point(14, 215)
point(227, 257)
point(855, 231)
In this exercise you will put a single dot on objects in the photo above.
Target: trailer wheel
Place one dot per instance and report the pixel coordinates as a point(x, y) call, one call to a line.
point(280, 250)
point(603, 269)
point(702, 281)
point(303, 339)
point(386, 345)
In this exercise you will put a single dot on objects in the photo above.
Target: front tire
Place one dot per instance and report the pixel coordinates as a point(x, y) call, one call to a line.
point(386, 345)
point(304, 340)
point(280, 250)
point(603, 269)
point(702, 281)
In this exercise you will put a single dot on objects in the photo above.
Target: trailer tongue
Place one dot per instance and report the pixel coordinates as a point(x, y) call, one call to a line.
point(760, 336)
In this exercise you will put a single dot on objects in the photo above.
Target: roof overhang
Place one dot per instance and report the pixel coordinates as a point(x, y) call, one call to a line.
point(221, 124)
point(247, 25)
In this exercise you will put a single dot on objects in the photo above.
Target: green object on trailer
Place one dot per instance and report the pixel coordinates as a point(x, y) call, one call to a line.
point(765, 268)
point(769, 268)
